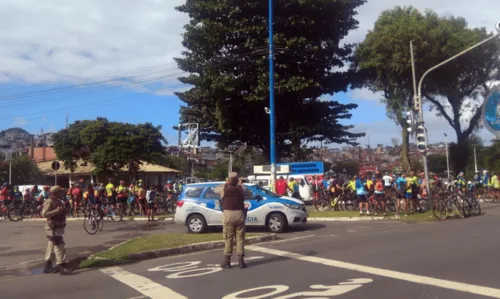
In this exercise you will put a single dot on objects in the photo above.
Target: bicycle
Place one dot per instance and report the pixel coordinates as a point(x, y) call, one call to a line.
point(92, 221)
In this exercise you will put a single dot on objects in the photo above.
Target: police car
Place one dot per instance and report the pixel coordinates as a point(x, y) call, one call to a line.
point(198, 207)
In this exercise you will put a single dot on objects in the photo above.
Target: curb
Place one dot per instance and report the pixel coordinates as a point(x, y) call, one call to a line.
point(345, 219)
point(193, 247)
point(146, 255)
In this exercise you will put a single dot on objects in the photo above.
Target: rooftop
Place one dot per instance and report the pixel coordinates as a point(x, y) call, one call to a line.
point(82, 168)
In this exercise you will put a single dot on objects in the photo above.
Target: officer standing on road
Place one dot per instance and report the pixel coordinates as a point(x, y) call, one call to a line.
point(233, 207)
point(55, 212)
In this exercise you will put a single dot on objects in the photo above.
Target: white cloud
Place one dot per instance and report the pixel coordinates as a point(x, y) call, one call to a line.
point(19, 122)
point(64, 41)
point(364, 94)
point(59, 40)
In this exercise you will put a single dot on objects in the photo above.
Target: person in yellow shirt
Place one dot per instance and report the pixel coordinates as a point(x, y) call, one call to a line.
point(122, 196)
point(111, 192)
point(293, 185)
point(141, 198)
point(370, 186)
point(495, 185)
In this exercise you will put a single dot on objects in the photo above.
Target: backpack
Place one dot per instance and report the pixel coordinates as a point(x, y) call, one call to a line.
point(379, 187)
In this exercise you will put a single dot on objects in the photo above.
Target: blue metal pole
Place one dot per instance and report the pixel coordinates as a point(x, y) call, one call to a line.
point(272, 118)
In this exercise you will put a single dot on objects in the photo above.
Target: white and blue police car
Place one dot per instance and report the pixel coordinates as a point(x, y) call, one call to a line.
point(198, 207)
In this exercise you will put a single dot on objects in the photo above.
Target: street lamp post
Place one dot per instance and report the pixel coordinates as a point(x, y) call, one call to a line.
point(272, 123)
point(418, 97)
point(447, 158)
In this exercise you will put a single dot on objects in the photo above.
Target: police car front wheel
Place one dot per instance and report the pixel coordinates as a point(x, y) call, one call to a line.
point(276, 223)
point(196, 224)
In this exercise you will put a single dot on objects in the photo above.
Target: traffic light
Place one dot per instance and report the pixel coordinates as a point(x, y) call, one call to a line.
point(410, 119)
point(421, 135)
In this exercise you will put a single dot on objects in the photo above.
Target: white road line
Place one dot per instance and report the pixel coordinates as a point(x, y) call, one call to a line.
point(290, 239)
point(440, 283)
point(142, 284)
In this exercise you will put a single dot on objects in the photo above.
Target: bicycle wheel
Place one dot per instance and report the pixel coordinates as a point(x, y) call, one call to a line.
point(476, 207)
point(439, 209)
point(466, 207)
point(390, 204)
point(322, 203)
point(90, 224)
point(15, 213)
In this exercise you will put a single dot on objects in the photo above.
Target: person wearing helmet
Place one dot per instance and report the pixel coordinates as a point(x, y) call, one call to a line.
point(55, 213)
point(461, 183)
point(122, 195)
point(111, 192)
point(44, 195)
point(141, 198)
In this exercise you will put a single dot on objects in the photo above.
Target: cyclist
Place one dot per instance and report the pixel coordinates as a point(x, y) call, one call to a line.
point(379, 194)
point(361, 194)
point(400, 187)
point(370, 187)
point(91, 196)
point(27, 195)
point(5, 195)
point(151, 200)
point(141, 199)
point(76, 196)
point(123, 195)
point(111, 192)
point(294, 187)
point(387, 181)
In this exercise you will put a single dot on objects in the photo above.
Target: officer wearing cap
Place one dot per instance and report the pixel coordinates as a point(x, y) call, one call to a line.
point(55, 213)
point(233, 209)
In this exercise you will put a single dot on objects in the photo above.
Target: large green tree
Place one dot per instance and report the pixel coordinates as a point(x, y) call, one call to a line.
point(109, 146)
point(225, 57)
point(455, 91)
point(24, 171)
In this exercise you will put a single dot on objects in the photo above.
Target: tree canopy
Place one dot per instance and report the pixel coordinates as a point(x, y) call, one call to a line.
point(455, 91)
point(226, 60)
point(24, 171)
point(109, 146)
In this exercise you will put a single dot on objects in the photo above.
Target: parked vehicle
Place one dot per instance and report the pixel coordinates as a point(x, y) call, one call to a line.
point(199, 207)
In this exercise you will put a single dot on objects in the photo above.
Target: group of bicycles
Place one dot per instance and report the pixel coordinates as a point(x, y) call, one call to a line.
point(94, 219)
point(19, 209)
point(447, 200)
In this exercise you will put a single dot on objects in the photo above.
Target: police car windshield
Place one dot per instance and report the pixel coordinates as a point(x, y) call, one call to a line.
point(267, 192)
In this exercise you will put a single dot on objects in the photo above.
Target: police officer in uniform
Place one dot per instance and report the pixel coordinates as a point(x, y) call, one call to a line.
point(233, 209)
point(55, 213)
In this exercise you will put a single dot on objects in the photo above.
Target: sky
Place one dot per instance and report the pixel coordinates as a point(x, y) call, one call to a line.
point(63, 57)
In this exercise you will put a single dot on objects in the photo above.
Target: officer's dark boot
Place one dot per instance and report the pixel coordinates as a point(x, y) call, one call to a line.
point(241, 261)
point(48, 267)
point(227, 262)
point(64, 269)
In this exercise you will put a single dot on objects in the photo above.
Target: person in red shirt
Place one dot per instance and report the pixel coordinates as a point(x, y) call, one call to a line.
point(4, 194)
point(76, 194)
point(281, 186)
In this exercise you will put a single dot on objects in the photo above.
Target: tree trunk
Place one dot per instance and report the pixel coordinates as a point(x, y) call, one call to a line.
point(296, 150)
point(405, 147)
point(459, 153)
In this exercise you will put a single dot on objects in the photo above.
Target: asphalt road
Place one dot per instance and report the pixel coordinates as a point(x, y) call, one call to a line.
point(450, 259)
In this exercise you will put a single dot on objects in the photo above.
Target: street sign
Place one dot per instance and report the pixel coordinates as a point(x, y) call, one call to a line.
point(56, 165)
point(491, 112)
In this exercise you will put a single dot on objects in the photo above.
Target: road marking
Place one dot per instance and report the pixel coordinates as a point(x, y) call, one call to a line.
point(440, 283)
point(251, 258)
point(142, 284)
point(290, 239)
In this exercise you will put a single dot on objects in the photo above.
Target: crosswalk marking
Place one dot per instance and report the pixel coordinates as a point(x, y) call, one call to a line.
point(142, 284)
point(440, 283)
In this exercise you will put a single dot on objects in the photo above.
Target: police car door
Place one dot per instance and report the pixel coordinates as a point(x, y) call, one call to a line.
point(257, 208)
point(214, 212)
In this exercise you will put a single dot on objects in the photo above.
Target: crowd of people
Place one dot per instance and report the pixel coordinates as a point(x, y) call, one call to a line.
point(408, 188)
point(80, 195)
